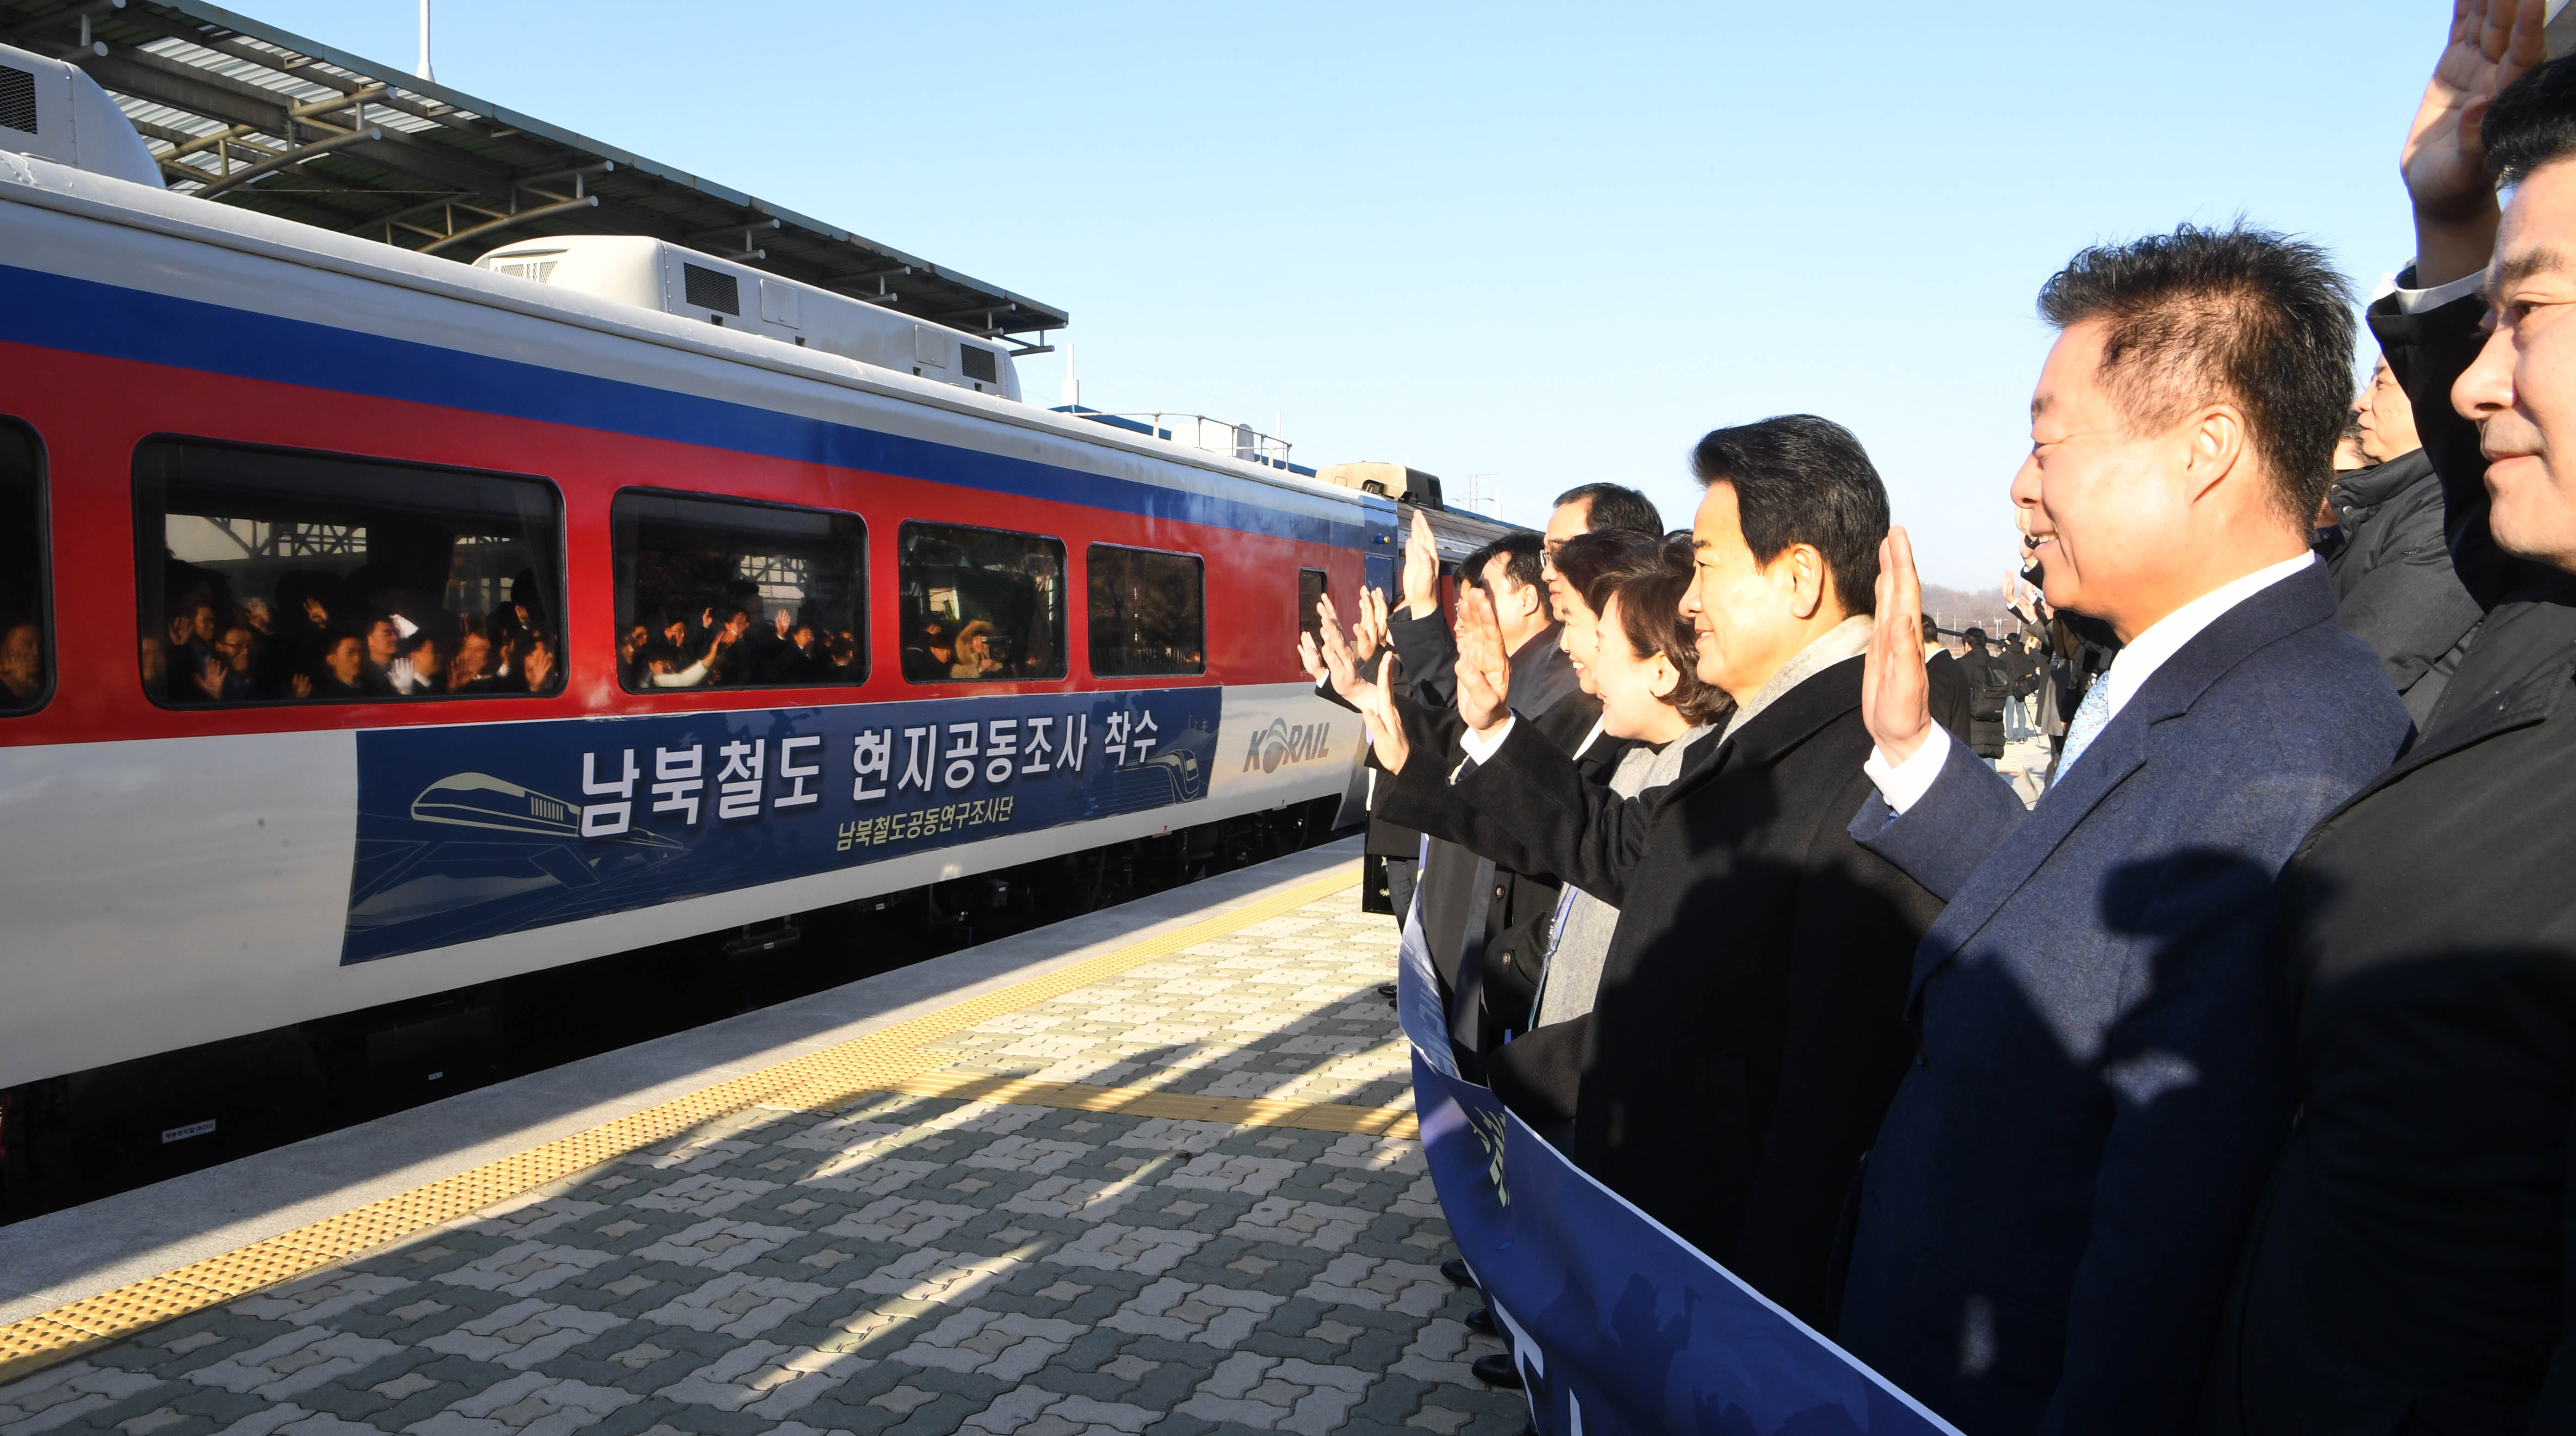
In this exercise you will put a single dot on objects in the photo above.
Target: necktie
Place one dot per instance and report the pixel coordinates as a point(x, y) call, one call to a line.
point(2090, 715)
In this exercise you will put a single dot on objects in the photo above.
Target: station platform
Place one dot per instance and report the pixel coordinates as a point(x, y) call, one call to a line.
point(1150, 1170)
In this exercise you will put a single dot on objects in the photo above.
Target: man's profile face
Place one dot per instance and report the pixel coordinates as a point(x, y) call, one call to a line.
point(2522, 388)
point(344, 660)
point(1742, 614)
point(2385, 418)
point(2105, 507)
point(1565, 523)
point(1579, 634)
point(1516, 604)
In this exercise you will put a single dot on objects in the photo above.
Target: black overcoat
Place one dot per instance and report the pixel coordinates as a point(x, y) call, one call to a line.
point(2413, 1267)
point(1750, 1022)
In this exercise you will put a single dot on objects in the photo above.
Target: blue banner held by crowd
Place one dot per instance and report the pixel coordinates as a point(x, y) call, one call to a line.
point(1617, 1324)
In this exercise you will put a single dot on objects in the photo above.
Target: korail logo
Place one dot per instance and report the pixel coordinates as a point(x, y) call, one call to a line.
point(1283, 743)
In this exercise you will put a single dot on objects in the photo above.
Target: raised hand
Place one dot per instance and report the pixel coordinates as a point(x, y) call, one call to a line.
point(1369, 634)
point(1421, 569)
point(2492, 43)
point(1895, 696)
point(1484, 669)
point(1311, 658)
point(1340, 665)
point(1376, 702)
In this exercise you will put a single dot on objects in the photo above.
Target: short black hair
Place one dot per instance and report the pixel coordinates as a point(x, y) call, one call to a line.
point(2245, 315)
point(1613, 506)
point(1583, 560)
point(2532, 123)
point(1523, 550)
point(1931, 630)
point(1974, 635)
point(1799, 479)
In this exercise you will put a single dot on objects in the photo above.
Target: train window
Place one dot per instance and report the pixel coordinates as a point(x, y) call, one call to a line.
point(714, 592)
point(1148, 612)
point(1310, 590)
point(981, 605)
point(26, 666)
point(269, 575)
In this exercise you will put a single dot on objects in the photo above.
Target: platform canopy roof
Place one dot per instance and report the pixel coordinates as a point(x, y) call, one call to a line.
point(249, 115)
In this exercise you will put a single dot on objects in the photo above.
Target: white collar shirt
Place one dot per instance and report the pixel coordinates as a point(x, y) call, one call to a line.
point(1904, 784)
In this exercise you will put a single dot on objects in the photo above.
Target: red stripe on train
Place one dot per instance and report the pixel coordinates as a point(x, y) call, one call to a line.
point(90, 413)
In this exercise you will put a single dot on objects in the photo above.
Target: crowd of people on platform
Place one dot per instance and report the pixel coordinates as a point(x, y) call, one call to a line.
point(317, 640)
point(2229, 1083)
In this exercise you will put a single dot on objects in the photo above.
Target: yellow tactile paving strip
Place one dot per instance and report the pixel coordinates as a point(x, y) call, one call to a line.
point(889, 1060)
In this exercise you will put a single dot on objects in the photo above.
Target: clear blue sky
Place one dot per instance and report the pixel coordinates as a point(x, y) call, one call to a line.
point(1551, 245)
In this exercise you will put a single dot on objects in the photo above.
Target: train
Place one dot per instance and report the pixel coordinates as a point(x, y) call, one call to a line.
point(382, 635)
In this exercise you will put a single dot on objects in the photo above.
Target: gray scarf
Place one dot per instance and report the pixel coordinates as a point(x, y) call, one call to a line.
point(1572, 975)
point(1847, 639)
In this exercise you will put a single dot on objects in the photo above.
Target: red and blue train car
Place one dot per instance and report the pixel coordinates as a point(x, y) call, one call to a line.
point(221, 432)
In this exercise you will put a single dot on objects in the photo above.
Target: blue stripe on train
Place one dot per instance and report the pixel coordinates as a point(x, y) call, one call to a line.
point(60, 312)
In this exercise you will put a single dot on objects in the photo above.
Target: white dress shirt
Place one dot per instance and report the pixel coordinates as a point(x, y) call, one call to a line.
point(2421, 301)
point(1904, 784)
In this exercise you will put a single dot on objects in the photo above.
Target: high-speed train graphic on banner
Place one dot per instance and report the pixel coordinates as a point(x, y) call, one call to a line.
point(374, 626)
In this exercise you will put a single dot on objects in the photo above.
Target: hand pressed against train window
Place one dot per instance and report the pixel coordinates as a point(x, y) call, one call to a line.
point(722, 593)
point(981, 605)
point(1148, 612)
point(275, 576)
point(26, 672)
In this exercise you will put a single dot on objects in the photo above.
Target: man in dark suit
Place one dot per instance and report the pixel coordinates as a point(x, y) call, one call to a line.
point(1459, 889)
point(1946, 683)
point(2412, 1266)
point(2045, 1231)
point(1990, 684)
point(1747, 1027)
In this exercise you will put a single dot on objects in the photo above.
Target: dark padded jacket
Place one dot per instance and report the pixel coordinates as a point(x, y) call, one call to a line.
point(2393, 584)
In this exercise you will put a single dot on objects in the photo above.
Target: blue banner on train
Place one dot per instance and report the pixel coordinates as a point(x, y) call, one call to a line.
point(474, 831)
point(1617, 1324)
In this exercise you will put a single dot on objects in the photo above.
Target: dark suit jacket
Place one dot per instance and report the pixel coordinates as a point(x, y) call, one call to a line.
point(1990, 680)
point(1520, 924)
point(1949, 687)
point(2049, 1215)
point(2414, 1268)
point(1545, 692)
point(1748, 1026)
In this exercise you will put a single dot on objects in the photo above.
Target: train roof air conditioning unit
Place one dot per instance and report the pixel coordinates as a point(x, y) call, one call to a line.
point(52, 111)
point(655, 274)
